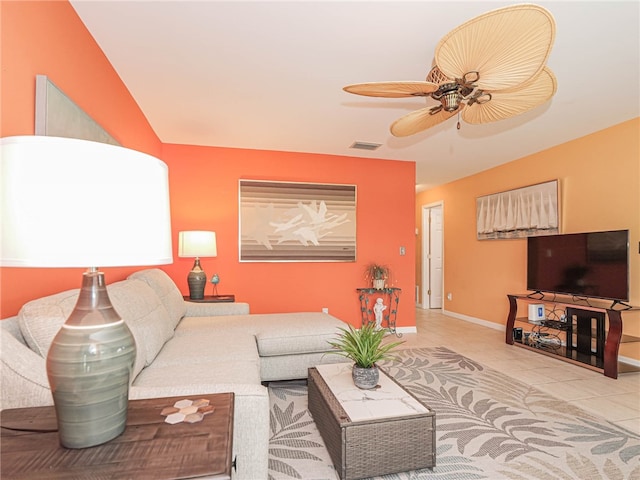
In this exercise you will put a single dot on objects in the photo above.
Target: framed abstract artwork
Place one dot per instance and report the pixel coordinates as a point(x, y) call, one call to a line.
point(523, 212)
point(297, 222)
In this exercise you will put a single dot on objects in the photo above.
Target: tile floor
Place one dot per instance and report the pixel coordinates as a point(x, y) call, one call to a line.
point(616, 400)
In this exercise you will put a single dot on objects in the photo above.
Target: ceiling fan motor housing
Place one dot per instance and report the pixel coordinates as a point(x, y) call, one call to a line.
point(451, 92)
point(451, 99)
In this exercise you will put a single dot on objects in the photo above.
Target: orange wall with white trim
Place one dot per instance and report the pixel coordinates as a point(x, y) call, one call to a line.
point(599, 190)
point(48, 38)
point(204, 190)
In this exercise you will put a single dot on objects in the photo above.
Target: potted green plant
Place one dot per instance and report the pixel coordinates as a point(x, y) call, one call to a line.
point(365, 348)
point(376, 274)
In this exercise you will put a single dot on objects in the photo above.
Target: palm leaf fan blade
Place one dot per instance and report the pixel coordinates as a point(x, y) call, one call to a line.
point(419, 120)
point(507, 47)
point(509, 103)
point(392, 89)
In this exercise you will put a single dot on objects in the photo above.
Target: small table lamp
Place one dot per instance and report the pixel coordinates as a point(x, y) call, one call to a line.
point(74, 203)
point(197, 243)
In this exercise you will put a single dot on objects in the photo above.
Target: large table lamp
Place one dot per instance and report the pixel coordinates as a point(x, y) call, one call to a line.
point(74, 203)
point(196, 244)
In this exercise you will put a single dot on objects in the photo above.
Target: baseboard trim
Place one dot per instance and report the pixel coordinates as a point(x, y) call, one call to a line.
point(407, 329)
point(629, 361)
point(477, 321)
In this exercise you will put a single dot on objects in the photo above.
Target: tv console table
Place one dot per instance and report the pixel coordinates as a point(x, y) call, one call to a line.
point(577, 335)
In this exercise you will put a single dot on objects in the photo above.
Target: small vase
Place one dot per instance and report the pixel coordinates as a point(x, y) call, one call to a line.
point(365, 378)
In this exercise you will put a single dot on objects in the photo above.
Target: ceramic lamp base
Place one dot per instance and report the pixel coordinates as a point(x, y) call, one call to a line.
point(197, 279)
point(89, 366)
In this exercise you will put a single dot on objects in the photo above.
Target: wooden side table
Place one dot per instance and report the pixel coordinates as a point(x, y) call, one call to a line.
point(148, 449)
point(212, 299)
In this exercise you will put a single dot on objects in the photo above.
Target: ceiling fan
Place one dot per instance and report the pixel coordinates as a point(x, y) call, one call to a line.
point(487, 69)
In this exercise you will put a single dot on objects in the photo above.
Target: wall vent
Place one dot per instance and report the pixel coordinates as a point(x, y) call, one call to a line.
point(365, 145)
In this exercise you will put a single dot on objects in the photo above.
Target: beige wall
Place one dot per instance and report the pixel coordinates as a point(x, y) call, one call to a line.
point(599, 188)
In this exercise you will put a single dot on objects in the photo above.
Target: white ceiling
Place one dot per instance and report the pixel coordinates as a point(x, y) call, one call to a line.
point(269, 75)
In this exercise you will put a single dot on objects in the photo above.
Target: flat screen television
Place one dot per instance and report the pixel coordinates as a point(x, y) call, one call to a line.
point(592, 264)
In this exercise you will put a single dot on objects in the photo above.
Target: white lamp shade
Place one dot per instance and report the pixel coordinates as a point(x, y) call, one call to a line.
point(197, 243)
point(74, 203)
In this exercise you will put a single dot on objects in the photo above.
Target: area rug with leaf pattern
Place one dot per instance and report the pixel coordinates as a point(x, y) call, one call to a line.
point(487, 427)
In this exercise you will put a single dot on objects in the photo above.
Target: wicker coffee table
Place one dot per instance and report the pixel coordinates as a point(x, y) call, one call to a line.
point(370, 432)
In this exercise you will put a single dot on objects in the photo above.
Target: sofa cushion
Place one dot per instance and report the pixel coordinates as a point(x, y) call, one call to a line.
point(205, 371)
point(22, 370)
point(166, 290)
point(150, 324)
point(294, 333)
point(41, 319)
point(209, 344)
point(135, 302)
point(190, 326)
point(294, 367)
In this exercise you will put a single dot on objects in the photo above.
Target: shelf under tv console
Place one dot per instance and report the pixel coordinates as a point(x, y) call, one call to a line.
point(589, 334)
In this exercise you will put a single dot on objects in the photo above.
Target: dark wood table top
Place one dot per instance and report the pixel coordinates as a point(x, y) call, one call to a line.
point(212, 299)
point(149, 448)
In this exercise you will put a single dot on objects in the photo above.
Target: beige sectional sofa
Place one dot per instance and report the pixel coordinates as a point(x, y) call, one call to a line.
point(183, 348)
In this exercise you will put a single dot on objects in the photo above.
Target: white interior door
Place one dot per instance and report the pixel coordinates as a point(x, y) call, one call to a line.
point(435, 258)
point(432, 256)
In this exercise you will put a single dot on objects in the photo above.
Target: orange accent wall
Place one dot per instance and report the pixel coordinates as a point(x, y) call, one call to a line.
point(599, 190)
point(204, 195)
point(48, 38)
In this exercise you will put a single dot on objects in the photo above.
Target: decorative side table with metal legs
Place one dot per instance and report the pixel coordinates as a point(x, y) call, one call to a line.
point(384, 316)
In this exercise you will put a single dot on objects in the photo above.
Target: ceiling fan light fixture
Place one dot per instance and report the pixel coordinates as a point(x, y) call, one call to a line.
point(451, 100)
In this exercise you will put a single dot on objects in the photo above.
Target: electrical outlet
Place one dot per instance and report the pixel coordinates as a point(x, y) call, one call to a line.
point(449, 296)
point(325, 310)
point(402, 251)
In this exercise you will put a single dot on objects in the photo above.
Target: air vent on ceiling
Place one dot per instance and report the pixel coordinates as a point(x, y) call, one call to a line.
point(365, 145)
